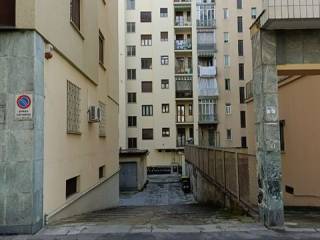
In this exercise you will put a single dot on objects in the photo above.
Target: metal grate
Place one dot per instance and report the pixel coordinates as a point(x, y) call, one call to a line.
point(73, 108)
point(102, 124)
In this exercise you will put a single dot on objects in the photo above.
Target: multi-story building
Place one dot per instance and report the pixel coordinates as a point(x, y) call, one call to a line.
point(59, 62)
point(185, 75)
point(234, 69)
point(159, 92)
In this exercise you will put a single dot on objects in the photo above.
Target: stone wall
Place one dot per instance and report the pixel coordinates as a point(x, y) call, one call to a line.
point(21, 142)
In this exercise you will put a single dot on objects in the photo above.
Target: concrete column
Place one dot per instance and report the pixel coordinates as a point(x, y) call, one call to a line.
point(265, 84)
point(21, 142)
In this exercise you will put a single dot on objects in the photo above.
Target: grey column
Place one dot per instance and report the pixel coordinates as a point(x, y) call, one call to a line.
point(265, 83)
point(21, 142)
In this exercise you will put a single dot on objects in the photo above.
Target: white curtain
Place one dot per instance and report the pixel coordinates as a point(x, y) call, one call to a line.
point(208, 87)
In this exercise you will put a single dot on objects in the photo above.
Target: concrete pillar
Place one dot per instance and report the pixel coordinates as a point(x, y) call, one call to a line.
point(265, 84)
point(21, 141)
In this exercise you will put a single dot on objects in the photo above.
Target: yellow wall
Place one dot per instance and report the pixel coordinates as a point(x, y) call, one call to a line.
point(298, 106)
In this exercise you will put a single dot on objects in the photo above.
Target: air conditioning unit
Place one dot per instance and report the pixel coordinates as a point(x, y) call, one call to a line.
point(94, 113)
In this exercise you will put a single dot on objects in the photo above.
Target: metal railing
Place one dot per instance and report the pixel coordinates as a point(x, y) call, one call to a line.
point(208, 118)
point(291, 9)
point(234, 173)
point(183, 22)
point(208, 23)
point(183, 45)
point(207, 46)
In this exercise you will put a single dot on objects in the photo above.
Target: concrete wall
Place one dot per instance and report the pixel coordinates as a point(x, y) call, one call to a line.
point(21, 142)
point(297, 106)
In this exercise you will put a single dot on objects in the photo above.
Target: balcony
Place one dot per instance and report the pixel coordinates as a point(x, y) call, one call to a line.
point(207, 47)
point(208, 118)
point(294, 14)
point(208, 23)
point(210, 71)
point(183, 45)
point(184, 89)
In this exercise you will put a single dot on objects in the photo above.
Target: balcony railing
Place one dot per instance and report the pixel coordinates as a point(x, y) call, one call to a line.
point(208, 23)
point(181, 142)
point(279, 14)
point(183, 44)
point(207, 47)
point(183, 22)
point(182, 1)
point(208, 118)
point(183, 70)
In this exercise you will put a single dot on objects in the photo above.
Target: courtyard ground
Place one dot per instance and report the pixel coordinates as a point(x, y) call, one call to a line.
point(162, 211)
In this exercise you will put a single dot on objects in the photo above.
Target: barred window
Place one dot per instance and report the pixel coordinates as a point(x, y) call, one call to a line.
point(147, 110)
point(131, 51)
point(131, 27)
point(147, 134)
point(73, 108)
point(165, 84)
point(146, 63)
point(102, 124)
point(146, 40)
point(165, 108)
point(164, 60)
point(164, 36)
point(165, 132)
point(163, 12)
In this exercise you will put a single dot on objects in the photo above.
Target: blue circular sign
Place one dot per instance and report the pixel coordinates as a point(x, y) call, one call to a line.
point(23, 101)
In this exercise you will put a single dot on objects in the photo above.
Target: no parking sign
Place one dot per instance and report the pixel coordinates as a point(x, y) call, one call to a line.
point(23, 106)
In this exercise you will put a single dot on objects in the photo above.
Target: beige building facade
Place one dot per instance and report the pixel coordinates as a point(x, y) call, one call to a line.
point(67, 63)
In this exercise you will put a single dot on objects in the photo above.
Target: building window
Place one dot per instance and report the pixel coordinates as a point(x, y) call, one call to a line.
point(101, 48)
point(73, 108)
point(72, 186)
point(146, 87)
point(164, 36)
point(228, 108)
point(147, 110)
point(132, 143)
point(240, 48)
point(165, 132)
point(240, 24)
point(242, 95)
point(131, 27)
point(146, 63)
point(244, 142)
point(227, 84)
point(102, 123)
point(131, 74)
point(146, 40)
point(163, 12)
point(75, 13)
point(239, 4)
point(190, 109)
point(226, 37)
point(253, 13)
point(132, 97)
point(229, 134)
point(226, 60)
point(164, 60)
point(131, 51)
point(102, 171)
point(165, 84)
point(243, 119)
point(147, 134)
point(8, 13)
point(165, 108)
point(145, 17)
point(282, 124)
point(132, 121)
point(130, 4)
point(225, 13)
point(241, 71)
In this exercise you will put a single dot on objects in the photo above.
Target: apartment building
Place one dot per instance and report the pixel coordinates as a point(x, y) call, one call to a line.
point(234, 69)
point(159, 90)
point(58, 110)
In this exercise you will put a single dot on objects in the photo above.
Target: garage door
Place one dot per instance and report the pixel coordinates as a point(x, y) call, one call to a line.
point(128, 176)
